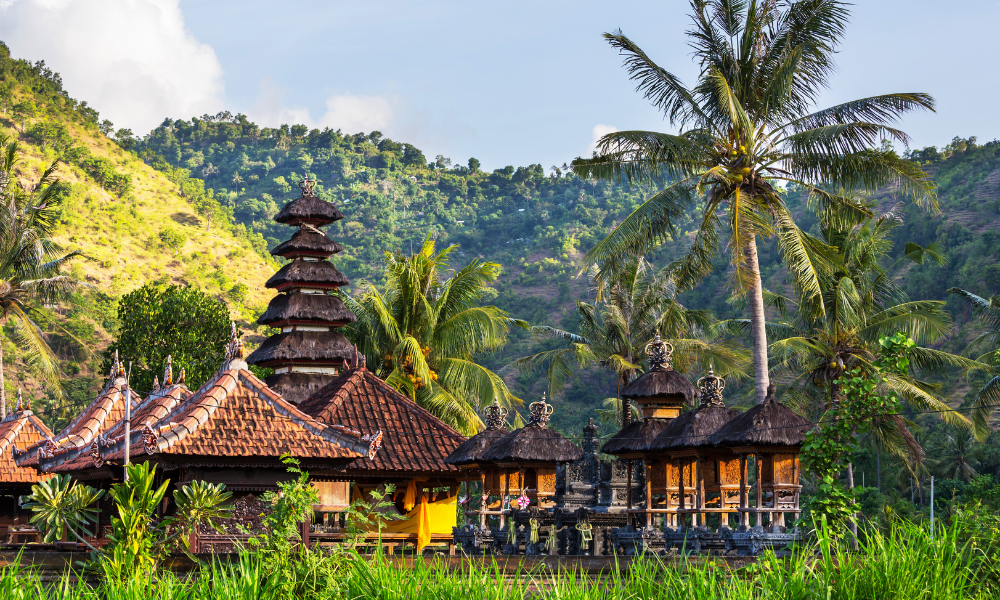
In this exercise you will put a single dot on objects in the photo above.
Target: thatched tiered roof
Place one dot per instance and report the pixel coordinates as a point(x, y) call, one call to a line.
point(314, 274)
point(314, 347)
point(534, 443)
point(472, 450)
point(694, 428)
point(635, 437)
point(309, 209)
point(307, 242)
point(768, 424)
point(306, 309)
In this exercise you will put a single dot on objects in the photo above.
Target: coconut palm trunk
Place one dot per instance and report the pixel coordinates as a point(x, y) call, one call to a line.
point(757, 321)
point(3, 391)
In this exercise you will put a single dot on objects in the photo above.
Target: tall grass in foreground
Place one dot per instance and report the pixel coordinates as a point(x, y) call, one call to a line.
point(904, 564)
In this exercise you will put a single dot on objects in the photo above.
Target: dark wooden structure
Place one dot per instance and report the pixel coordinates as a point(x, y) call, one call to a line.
point(308, 352)
point(18, 429)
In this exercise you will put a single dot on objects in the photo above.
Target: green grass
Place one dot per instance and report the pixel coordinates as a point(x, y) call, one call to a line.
point(904, 564)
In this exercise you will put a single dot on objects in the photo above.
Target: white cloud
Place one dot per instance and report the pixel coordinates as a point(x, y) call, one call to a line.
point(348, 112)
point(597, 133)
point(351, 113)
point(132, 60)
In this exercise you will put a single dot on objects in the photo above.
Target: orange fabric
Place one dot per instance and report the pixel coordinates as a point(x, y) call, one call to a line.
point(410, 499)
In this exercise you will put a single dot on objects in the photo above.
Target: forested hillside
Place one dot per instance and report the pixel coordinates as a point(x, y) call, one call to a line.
point(534, 221)
point(126, 218)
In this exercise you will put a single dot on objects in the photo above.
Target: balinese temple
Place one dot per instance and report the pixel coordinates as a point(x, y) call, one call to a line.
point(18, 429)
point(107, 409)
point(308, 352)
point(468, 457)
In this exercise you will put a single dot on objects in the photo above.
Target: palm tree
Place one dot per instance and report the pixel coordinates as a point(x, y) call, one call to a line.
point(839, 330)
point(957, 452)
point(987, 311)
point(29, 262)
point(747, 128)
point(629, 311)
point(422, 334)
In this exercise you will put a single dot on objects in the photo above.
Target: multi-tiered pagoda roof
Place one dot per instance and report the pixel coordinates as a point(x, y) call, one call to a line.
point(309, 352)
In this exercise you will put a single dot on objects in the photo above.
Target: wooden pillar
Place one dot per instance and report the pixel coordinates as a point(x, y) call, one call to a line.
point(506, 492)
point(193, 541)
point(483, 500)
point(649, 494)
point(700, 474)
point(760, 492)
point(680, 493)
point(305, 532)
point(743, 490)
point(628, 484)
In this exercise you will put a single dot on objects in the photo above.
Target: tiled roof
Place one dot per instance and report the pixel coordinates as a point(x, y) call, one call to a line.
point(105, 411)
point(20, 430)
point(237, 416)
point(413, 440)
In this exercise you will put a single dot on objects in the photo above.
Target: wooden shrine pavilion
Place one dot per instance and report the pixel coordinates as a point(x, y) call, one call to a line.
point(18, 429)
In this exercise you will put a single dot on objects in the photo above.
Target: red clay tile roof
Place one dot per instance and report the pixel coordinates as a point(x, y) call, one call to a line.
point(20, 430)
point(95, 420)
point(237, 415)
point(413, 440)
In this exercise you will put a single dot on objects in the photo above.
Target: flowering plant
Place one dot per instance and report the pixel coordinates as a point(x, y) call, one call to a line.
point(523, 502)
point(463, 500)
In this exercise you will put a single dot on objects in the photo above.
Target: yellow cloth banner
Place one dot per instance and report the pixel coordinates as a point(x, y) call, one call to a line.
point(410, 499)
point(426, 519)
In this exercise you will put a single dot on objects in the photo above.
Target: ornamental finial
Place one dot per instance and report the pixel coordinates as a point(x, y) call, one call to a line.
point(180, 378)
point(711, 388)
point(307, 185)
point(20, 403)
point(659, 354)
point(496, 415)
point(117, 368)
point(156, 382)
point(234, 350)
point(168, 372)
point(540, 412)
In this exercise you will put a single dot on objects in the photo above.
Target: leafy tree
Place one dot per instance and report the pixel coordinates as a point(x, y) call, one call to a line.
point(30, 262)
point(180, 322)
point(238, 293)
point(125, 138)
point(474, 165)
point(614, 332)
point(23, 111)
point(172, 239)
point(422, 334)
point(956, 460)
point(747, 128)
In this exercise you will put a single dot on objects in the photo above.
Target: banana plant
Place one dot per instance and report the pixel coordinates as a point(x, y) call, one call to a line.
point(62, 505)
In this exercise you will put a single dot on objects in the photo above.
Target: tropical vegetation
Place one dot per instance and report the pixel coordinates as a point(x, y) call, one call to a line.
point(749, 128)
point(422, 333)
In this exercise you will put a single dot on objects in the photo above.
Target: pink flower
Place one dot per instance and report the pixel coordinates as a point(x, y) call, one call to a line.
point(523, 502)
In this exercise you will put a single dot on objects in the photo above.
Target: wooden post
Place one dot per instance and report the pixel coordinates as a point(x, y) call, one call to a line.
point(305, 532)
point(680, 493)
point(743, 490)
point(760, 493)
point(483, 500)
point(628, 486)
point(506, 492)
point(193, 541)
point(649, 494)
point(700, 474)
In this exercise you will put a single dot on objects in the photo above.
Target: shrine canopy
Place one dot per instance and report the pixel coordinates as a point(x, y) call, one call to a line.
point(694, 428)
point(769, 424)
point(415, 443)
point(236, 421)
point(660, 393)
point(19, 429)
point(470, 452)
point(100, 415)
point(534, 443)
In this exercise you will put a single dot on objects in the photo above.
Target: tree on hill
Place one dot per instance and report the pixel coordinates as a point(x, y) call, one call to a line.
point(987, 312)
point(30, 263)
point(172, 321)
point(638, 304)
point(422, 334)
point(747, 128)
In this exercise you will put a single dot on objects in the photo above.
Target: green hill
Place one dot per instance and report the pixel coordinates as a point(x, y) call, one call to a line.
point(130, 222)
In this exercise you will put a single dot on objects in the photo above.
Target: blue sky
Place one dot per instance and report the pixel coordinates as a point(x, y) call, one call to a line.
point(508, 83)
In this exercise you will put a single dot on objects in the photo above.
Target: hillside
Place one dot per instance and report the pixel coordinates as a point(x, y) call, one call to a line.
point(127, 219)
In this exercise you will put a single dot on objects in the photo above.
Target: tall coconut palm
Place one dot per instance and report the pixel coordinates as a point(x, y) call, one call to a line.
point(422, 333)
point(955, 457)
point(747, 128)
point(630, 309)
point(30, 262)
point(987, 311)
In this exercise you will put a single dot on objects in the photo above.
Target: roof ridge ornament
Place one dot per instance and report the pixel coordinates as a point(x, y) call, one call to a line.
point(711, 387)
point(20, 403)
point(307, 186)
point(168, 372)
point(660, 354)
point(156, 383)
point(180, 378)
point(496, 415)
point(540, 412)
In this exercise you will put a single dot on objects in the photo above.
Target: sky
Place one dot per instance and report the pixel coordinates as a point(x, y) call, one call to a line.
point(509, 83)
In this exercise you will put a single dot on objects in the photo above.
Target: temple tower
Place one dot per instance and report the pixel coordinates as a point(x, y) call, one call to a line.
point(308, 352)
